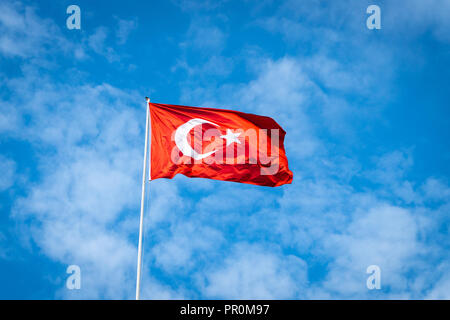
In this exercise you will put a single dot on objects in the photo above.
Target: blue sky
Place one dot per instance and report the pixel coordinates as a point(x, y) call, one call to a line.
point(366, 115)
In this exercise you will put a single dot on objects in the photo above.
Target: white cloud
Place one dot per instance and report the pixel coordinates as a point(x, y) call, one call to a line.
point(76, 213)
point(124, 28)
point(8, 173)
point(414, 18)
point(440, 289)
point(392, 167)
point(87, 140)
point(97, 42)
point(204, 37)
point(24, 34)
point(255, 272)
point(152, 289)
point(436, 189)
point(302, 21)
point(182, 249)
point(385, 236)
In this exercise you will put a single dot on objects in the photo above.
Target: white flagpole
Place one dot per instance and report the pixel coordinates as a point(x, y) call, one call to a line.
point(141, 220)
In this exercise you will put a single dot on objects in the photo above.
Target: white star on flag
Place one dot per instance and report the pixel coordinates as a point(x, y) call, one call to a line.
point(231, 137)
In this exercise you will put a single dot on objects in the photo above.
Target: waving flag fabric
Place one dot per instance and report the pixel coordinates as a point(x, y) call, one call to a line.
point(217, 144)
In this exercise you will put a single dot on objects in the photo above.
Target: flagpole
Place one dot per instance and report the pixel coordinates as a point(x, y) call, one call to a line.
point(141, 219)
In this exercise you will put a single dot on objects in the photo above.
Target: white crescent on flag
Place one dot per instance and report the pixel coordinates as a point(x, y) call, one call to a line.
point(181, 139)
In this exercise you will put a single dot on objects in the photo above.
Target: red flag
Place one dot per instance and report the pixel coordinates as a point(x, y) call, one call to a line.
point(217, 144)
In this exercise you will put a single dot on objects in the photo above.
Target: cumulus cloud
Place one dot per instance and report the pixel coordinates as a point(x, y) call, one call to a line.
point(24, 34)
point(87, 139)
point(253, 272)
point(183, 247)
point(76, 214)
point(385, 236)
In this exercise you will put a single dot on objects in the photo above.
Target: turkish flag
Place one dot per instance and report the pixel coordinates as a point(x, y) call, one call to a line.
point(217, 144)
